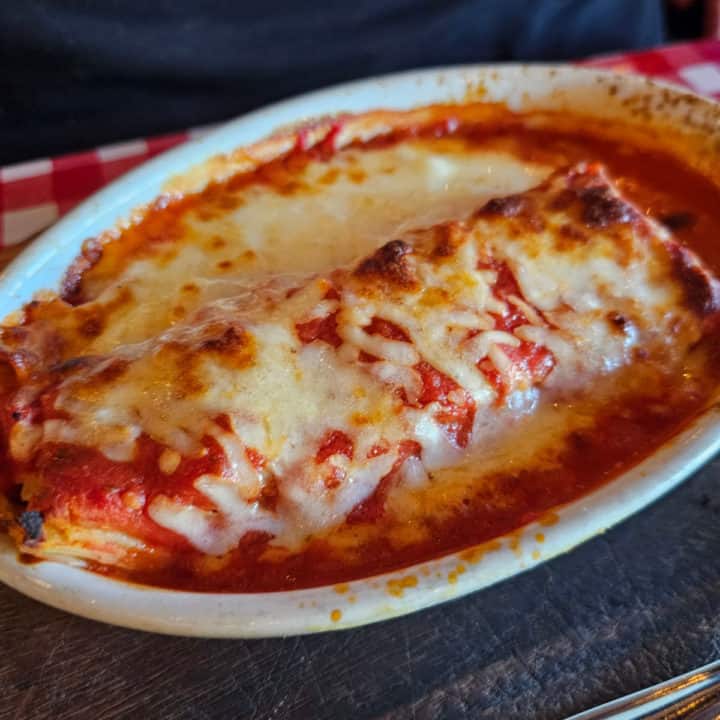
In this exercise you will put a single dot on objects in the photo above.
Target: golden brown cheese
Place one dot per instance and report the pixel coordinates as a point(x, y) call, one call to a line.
point(335, 358)
point(396, 364)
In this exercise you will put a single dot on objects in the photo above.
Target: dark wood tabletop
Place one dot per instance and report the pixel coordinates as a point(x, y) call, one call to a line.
point(634, 606)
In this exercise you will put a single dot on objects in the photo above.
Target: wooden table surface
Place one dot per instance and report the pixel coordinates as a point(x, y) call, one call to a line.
point(627, 609)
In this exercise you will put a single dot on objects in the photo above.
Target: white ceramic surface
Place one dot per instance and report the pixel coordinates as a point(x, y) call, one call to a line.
point(305, 611)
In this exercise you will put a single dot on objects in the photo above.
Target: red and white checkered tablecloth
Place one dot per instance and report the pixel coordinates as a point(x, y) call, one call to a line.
point(34, 194)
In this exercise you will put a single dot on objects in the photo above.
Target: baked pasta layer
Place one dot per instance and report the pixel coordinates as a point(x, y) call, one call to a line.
point(290, 424)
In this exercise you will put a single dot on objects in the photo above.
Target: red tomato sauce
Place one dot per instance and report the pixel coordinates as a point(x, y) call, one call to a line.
point(530, 362)
point(660, 184)
point(619, 439)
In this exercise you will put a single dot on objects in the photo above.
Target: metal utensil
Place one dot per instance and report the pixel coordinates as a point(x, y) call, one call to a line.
point(692, 696)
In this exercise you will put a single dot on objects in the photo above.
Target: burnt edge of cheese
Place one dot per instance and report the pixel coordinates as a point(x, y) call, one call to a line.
point(508, 206)
point(231, 339)
point(71, 286)
point(520, 207)
point(617, 321)
point(31, 521)
point(234, 344)
point(601, 208)
point(702, 292)
point(389, 263)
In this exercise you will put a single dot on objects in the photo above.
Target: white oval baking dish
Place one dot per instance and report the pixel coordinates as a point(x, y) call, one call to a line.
point(688, 119)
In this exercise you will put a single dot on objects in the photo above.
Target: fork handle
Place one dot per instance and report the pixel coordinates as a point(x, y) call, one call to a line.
point(692, 696)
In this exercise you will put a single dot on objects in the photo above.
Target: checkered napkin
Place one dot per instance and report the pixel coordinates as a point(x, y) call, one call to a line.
point(35, 194)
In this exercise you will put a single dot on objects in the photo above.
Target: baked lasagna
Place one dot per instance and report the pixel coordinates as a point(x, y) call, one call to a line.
point(200, 408)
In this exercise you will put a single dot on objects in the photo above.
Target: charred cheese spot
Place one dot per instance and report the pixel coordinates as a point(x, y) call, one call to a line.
point(233, 344)
point(389, 263)
point(600, 206)
point(92, 318)
point(510, 206)
point(569, 234)
point(602, 209)
point(702, 292)
point(91, 327)
point(617, 321)
point(521, 211)
point(71, 285)
point(562, 200)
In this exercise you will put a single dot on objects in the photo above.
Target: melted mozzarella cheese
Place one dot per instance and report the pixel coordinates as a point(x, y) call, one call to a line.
point(337, 212)
point(240, 356)
point(207, 530)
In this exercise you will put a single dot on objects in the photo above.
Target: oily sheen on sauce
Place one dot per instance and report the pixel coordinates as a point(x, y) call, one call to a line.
point(620, 435)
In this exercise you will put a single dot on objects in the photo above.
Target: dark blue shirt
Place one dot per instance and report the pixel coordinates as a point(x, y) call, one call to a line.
point(76, 73)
